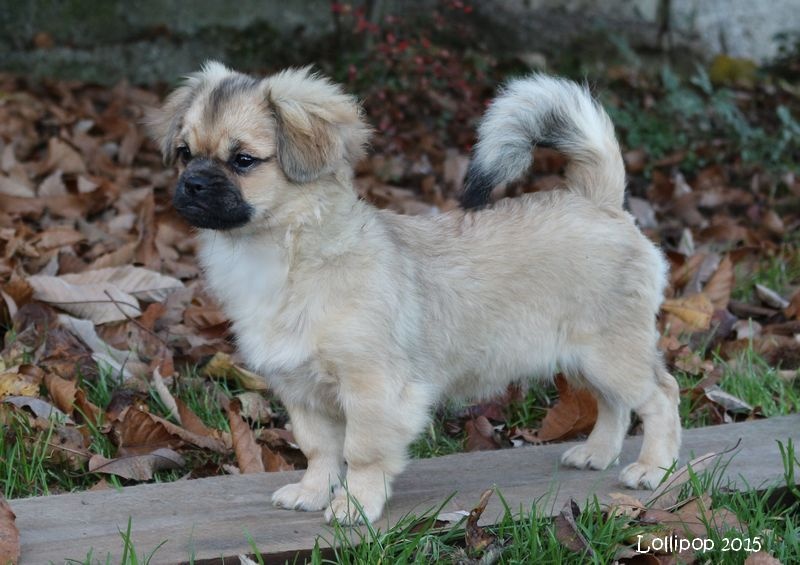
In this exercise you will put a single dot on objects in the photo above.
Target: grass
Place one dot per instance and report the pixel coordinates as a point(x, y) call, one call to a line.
point(748, 377)
point(780, 273)
point(435, 441)
point(688, 115)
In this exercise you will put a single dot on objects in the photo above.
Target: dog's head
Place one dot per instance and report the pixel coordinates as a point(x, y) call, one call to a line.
point(251, 149)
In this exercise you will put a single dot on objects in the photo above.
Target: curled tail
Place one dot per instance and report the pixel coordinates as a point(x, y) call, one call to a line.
point(552, 112)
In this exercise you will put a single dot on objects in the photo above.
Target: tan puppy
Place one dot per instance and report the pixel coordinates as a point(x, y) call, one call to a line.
point(362, 319)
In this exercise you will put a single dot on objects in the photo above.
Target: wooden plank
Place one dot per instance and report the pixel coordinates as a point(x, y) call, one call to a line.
point(213, 517)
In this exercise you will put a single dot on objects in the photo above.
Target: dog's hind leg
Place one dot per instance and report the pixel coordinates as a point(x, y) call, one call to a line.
point(632, 380)
point(658, 410)
point(602, 447)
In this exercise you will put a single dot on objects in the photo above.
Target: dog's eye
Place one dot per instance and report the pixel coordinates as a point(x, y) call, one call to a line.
point(243, 161)
point(183, 154)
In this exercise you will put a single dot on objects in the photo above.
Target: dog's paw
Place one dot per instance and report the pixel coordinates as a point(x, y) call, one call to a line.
point(298, 496)
point(349, 513)
point(638, 475)
point(585, 456)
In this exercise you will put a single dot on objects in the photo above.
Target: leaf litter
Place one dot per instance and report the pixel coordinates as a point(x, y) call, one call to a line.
point(98, 276)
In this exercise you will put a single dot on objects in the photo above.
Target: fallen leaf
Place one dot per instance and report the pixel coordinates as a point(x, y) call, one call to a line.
point(67, 397)
point(478, 539)
point(761, 558)
point(480, 435)
point(125, 364)
point(140, 432)
point(192, 421)
point(695, 310)
point(719, 286)
point(575, 413)
point(100, 303)
point(255, 407)
point(667, 493)
point(248, 453)
point(221, 366)
point(142, 283)
point(40, 408)
point(567, 531)
point(624, 505)
point(14, 383)
point(9, 534)
point(66, 446)
point(771, 298)
point(274, 461)
point(727, 401)
point(166, 396)
point(137, 467)
point(61, 155)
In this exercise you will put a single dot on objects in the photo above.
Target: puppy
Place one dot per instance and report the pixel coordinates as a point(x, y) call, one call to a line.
point(362, 319)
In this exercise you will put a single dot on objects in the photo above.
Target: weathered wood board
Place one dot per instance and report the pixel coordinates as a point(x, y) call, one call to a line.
point(214, 517)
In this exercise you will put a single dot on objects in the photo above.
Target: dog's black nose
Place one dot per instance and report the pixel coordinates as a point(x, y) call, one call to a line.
point(195, 184)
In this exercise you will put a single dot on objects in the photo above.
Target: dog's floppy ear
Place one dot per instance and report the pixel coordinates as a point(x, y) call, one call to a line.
point(164, 124)
point(318, 126)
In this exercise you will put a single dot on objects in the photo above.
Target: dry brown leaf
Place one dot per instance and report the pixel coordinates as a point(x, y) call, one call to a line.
point(666, 495)
point(624, 505)
point(192, 421)
point(10, 186)
point(567, 531)
point(166, 396)
point(66, 446)
point(477, 538)
point(139, 432)
point(61, 155)
point(142, 283)
point(761, 558)
point(40, 408)
point(575, 413)
point(53, 185)
point(480, 435)
point(255, 407)
point(793, 310)
point(58, 236)
point(124, 363)
point(67, 397)
point(119, 257)
point(274, 461)
point(695, 310)
point(771, 298)
point(727, 401)
point(101, 303)
point(9, 534)
point(248, 453)
point(137, 467)
point(221, 366)
point(719, 286)
point(17, 383)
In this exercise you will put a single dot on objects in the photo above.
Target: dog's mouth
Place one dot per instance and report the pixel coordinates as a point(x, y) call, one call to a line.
point(215, 207)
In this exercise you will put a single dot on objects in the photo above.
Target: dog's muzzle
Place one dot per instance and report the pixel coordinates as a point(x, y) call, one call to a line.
point(208, 199)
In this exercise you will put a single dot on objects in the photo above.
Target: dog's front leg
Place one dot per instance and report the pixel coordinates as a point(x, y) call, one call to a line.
point(321, 438)
point(381, 423)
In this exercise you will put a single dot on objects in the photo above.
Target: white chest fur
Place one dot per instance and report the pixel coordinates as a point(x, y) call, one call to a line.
point(250, 278)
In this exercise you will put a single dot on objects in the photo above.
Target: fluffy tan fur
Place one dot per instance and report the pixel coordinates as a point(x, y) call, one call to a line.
point(362, 320)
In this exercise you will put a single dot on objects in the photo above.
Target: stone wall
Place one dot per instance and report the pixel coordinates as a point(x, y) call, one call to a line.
point(148, 41)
